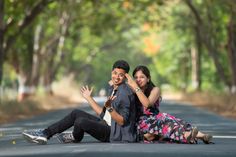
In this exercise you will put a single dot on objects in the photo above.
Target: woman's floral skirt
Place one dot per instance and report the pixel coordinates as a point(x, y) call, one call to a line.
point(165, 126)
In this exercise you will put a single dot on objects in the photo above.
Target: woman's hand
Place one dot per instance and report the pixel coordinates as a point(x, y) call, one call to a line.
point(110, 83)
point(131, 82)
point(86, 92)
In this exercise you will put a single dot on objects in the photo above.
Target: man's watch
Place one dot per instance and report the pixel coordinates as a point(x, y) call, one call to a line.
point(110, 109)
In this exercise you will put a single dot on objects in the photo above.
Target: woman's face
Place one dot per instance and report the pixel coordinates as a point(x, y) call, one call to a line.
point(117, 76)
point(141, 79)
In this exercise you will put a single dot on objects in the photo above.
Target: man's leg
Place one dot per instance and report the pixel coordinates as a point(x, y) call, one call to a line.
point(98, 129)
point(67, 122)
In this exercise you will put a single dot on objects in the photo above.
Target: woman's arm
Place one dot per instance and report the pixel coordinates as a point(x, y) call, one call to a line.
point(146, 101)
point(154, 95)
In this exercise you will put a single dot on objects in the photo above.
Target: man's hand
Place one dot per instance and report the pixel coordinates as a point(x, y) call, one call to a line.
point(86, 92)
point(107, 104)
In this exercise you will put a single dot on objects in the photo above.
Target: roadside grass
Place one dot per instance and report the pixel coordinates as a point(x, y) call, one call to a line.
point(223, 104)
point(12, 110)
point(66, 94)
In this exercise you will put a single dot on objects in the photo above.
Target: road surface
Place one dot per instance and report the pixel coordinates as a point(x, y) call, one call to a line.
point(223, 130)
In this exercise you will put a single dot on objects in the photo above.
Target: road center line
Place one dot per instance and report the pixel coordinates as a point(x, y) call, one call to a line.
point(218, 136)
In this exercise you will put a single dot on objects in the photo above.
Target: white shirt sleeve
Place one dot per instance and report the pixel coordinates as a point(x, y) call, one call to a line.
point(107, 118)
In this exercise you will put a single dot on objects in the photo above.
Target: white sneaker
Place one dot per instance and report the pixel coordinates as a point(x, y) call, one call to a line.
point(36, 136)
point(65, 138)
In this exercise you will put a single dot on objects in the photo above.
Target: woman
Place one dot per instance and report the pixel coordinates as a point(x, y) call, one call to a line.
point(154, 125)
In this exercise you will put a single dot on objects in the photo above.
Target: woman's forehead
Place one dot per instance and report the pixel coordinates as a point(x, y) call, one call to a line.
point(139, 72)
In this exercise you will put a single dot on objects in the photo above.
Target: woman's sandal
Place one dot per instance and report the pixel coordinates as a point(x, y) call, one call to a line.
point(191, 139)
point(207, 139)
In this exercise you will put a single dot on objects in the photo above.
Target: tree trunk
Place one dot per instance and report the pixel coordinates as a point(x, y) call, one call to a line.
point(231, 47)
point(56, 59)
point(52, 55)
point(11, 39)
point(213, 52)
point(1, 40)
point(25, 89)
point(206, 39)
point(198, 60)
point(36, 56)
point(195, 68)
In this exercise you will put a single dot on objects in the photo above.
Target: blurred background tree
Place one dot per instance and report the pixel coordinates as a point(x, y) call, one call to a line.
point(189, 45)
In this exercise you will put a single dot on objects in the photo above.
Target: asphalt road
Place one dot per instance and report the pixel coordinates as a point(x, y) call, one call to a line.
point(223, 130)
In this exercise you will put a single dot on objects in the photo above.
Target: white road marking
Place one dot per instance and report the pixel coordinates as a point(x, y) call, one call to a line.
point(221, 136)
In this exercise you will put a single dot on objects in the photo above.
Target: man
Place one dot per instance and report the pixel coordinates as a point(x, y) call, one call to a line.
point(117, 118)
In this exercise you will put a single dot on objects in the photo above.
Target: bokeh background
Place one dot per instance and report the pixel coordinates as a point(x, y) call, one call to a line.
point(50, 48)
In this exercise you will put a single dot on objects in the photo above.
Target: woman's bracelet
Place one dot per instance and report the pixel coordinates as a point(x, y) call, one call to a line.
point(137, 90)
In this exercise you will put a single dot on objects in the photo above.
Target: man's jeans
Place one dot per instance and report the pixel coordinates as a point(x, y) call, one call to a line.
point(82, 122)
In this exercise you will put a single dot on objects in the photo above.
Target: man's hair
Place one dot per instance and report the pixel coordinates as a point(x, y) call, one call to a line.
point(121, 64)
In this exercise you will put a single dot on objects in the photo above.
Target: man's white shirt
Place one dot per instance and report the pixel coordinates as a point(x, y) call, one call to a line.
point(107, 118)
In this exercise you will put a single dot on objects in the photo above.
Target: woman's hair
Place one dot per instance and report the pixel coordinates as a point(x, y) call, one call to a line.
point(146, 72)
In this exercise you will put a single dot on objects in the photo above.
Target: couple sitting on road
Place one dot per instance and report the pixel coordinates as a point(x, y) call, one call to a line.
point(130, 114)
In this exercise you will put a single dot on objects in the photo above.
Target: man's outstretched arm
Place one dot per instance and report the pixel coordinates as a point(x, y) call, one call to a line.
point(86, 93)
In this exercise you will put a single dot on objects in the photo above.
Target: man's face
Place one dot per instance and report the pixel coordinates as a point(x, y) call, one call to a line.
point(117, 76)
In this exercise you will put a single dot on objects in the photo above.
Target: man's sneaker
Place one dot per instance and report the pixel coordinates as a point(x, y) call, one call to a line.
point(65, 138)
point(35, 136)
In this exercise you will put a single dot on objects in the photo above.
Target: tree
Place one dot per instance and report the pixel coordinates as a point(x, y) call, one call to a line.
point(2, 28)
point(231, 43)
point(209, 36)
point(8, 37)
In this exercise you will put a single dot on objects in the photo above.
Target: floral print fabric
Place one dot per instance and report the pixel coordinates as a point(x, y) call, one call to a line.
point(165, 126)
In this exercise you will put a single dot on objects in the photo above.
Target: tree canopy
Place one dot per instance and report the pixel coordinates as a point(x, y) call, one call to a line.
point(188, 45)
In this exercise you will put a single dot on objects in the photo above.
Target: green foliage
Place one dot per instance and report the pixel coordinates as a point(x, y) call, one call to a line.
point(100, 32)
